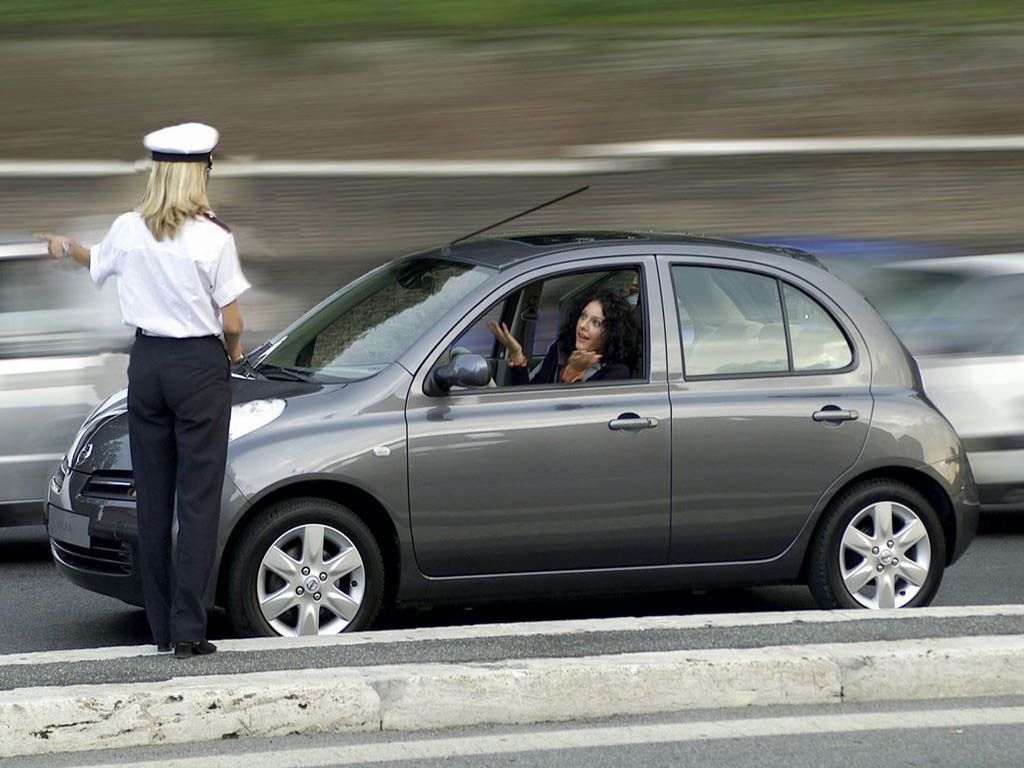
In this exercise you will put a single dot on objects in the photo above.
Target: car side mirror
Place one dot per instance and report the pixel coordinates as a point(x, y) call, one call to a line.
point(462, 371)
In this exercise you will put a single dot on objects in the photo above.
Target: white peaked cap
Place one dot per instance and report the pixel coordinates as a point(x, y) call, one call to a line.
point(185, 142)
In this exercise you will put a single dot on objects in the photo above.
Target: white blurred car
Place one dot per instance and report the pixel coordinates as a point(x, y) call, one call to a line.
point(963, 319)
point(63, 350)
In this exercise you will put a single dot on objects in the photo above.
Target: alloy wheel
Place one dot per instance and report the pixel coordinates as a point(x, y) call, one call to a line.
point(311, 581)
point(885, 555)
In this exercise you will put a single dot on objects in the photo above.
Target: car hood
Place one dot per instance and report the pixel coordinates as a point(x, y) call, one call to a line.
point(103, 444)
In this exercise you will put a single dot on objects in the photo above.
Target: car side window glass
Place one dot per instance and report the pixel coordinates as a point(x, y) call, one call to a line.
point(478, 339)
point(730, 322)
point(818, 344)
point(537, 312)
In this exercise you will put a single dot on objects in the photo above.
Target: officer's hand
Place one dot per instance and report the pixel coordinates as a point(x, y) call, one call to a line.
point(54, 244)
point(236, 354)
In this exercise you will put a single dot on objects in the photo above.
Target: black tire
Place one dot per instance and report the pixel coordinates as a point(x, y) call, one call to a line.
point(824, 574)
point(260, 534)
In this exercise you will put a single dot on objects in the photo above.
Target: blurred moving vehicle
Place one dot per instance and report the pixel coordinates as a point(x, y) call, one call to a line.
point(63, 349)
point(773, 431)
point(963, 319)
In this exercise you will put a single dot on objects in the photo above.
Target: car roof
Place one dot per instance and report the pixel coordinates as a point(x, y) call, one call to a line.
point(503, 251)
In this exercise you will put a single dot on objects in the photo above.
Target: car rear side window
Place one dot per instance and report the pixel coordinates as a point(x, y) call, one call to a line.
point(733, 323)
point(818, 344)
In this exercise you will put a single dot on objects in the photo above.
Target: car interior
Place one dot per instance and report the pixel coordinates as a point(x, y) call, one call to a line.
point(535, 312)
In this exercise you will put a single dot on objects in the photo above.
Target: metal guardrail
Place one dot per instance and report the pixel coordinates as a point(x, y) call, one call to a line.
point(354, 168)
point(23, 251)
point(579, 160)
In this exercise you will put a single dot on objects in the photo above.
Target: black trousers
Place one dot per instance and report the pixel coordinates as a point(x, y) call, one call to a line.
point(179, 407)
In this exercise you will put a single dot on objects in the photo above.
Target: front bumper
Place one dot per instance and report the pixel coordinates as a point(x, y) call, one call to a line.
point(109, 562)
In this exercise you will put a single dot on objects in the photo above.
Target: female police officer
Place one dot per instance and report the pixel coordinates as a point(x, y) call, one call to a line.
point(178, 282)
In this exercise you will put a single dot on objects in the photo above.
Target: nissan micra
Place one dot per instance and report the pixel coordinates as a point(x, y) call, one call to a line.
point(771, 429)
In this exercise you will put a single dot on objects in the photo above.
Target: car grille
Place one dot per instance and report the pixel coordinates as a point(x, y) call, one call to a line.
point(102, 556)
point(111, 485)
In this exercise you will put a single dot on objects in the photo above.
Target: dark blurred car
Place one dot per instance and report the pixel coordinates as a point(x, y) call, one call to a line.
point(773, 431)
point(62, 351)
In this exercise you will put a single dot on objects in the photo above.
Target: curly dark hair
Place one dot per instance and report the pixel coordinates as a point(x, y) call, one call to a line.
point(622, 335)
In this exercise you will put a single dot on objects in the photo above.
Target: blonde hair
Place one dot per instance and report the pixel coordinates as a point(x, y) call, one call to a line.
point(175, 193)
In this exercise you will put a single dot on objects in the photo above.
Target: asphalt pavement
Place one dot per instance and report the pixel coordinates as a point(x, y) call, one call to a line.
point(41, 612)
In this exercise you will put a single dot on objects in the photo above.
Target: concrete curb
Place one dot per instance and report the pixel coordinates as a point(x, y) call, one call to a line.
point(533, 629)
point(420, 696)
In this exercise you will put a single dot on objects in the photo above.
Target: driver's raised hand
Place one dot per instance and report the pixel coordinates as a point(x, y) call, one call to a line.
point(504, 335)
point(582, 359)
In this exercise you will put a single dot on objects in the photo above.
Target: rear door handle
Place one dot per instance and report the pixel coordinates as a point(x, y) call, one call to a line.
point(834, 413)
point(628, 422)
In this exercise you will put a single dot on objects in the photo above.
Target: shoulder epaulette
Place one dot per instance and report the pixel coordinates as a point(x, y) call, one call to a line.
point(210, 217)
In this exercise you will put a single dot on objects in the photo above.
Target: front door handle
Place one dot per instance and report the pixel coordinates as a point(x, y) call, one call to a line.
point(833, 413)
point(628, 422)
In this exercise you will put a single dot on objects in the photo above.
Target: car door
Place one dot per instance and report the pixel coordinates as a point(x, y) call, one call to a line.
point(506, 479)
point(769, 390)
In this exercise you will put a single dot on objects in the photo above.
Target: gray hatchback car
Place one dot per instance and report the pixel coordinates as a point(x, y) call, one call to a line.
point(772, 430)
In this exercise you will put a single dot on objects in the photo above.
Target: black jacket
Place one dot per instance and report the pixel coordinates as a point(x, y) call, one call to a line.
point(551, 371)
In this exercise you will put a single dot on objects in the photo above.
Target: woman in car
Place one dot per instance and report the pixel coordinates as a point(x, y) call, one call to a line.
point(599, 341)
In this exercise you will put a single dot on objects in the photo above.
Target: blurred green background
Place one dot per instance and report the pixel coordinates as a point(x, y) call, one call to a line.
point(332, 19)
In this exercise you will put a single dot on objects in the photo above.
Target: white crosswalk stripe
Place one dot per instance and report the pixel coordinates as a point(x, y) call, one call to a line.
point(592, 737)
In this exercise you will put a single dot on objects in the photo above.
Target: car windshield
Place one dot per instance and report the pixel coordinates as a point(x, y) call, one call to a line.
point(370, 323)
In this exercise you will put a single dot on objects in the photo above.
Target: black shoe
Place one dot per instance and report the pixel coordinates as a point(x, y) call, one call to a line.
point(164, 647)
point(197, 648)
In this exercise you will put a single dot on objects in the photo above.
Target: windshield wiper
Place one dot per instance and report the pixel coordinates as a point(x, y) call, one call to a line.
point(245, 368)
point(288, 374)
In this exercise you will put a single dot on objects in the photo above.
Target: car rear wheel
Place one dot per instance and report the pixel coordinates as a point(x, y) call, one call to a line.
point(305, 567)
point(881, 545)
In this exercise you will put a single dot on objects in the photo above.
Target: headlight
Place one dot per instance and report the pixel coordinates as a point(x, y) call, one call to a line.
point(113, 405)
point(248, 417)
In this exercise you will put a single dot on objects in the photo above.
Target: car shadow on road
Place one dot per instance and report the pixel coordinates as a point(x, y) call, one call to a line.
point(25, 544)
point(680, 603)
point(1001, 523)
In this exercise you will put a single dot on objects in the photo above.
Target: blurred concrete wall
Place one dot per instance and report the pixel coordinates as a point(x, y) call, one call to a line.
point(527, 98)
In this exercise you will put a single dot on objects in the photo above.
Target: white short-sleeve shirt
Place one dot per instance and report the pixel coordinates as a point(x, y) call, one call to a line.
point(172, 287)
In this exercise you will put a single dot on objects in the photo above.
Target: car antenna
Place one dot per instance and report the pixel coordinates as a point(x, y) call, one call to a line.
point(518, 215)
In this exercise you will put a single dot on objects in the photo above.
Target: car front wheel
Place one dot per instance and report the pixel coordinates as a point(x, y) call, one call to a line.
point(305, 567)
point(881, 545)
